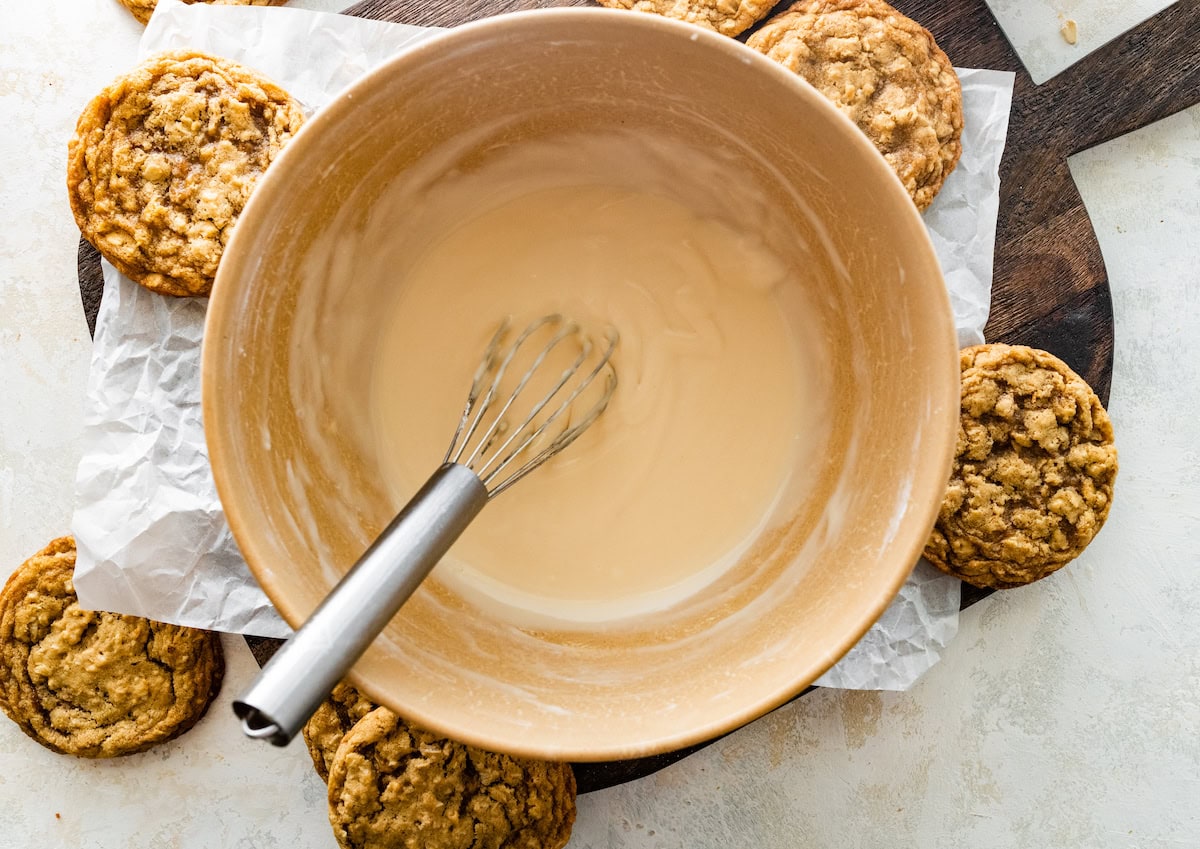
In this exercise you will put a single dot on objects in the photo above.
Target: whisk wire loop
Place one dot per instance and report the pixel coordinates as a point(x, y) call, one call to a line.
point(571, 432)
point(481, 374)
point(500, 424)
point(484, 421)
point(520, 430)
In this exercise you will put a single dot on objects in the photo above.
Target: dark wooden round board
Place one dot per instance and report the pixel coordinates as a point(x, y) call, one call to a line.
point(1050, 289)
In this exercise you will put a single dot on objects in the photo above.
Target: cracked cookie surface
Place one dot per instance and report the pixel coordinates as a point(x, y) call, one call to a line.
point(143, 9)
point(886, 73)
point(335, 716)
point(392, 785)
point(1034, 469)
point(164, 159)
point(93, 684)
point(728, 17)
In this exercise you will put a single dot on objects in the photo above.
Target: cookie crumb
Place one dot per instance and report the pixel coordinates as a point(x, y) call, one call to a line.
point(1070, 31)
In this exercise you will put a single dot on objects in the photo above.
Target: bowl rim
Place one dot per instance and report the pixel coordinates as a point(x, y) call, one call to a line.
point(236, 502)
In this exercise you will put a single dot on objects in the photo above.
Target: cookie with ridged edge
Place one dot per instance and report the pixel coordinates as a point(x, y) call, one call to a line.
point(91, 684)
point(164, 159)
point(1034, 469)
point(392, 785)
point(728, 17)
point(886, 73)
point(143, 9)
point(333, 718)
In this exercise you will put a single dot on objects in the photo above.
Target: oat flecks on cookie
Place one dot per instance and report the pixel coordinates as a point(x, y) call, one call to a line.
point(392, 786)
point(728, 17)
point(1034, 469)
point(886, 73)
point(143, 9)
point(335, 716)
point(164, 159)
point(92, 684)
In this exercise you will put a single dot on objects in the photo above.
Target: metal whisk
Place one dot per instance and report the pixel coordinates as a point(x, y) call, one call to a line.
point(501, 437)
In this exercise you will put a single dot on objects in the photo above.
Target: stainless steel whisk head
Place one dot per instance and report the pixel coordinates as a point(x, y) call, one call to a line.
point(513, 422)
point(486, 440)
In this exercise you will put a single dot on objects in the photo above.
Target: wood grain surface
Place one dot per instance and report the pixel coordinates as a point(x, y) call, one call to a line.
point(1050, 289)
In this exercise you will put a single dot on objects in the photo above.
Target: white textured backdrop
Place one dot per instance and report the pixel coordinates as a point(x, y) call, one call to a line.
point(1066, 714)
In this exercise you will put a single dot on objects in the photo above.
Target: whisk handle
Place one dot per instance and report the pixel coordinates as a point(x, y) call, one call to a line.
point(301, 674)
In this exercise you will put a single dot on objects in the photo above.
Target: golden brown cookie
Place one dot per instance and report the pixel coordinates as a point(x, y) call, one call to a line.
point(94, 684)
point(143, 9)
point(728, 17)
point(324, 730)
point(886, 73)
point(393, 786)
point(164, 159)
point(1033, 472)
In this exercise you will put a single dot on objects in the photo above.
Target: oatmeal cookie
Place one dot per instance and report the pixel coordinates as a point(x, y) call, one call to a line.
point(324, 730)
point(143, 9)
point(393, 786)
point(886, 73)
point(728, 17)
point(91, 684)
point(1033, 472)
point(164, 159)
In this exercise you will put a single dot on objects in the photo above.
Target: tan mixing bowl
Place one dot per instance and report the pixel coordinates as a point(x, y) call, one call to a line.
point(811, 587)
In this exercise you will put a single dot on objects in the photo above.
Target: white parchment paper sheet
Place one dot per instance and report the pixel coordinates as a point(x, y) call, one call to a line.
point(151, 535)
point(152, 538)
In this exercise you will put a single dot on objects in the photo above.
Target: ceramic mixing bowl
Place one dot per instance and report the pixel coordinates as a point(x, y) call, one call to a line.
point(287, 351)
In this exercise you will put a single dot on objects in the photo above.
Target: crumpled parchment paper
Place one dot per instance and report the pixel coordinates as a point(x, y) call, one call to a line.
point(151, 535)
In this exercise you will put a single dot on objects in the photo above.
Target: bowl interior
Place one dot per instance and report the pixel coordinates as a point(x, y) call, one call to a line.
point(289, 344)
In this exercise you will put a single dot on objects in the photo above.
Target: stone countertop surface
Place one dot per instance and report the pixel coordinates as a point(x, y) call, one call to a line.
point(1064, 714)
